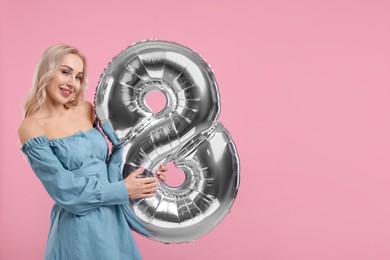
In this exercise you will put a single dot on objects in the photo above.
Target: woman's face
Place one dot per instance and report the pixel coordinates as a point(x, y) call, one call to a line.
point(66, 82)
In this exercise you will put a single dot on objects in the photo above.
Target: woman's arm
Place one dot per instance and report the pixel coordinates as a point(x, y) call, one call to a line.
point(79, 195)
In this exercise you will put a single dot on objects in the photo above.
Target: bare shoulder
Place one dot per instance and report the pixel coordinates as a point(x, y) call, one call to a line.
point(29, 128)
point(88, 110)
point(87, 105)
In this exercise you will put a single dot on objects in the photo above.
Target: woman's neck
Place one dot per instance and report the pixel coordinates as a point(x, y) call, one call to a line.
point(50, 109)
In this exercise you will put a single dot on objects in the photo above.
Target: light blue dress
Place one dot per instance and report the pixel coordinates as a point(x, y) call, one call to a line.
point(91, 218)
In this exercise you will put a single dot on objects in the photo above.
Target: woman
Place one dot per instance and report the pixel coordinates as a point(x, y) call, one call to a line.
point(90, 218)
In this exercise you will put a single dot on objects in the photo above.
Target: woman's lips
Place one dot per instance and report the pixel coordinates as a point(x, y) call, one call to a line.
point(66, 92)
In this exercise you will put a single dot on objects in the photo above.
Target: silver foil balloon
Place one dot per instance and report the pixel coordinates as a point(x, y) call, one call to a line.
point(186, 132)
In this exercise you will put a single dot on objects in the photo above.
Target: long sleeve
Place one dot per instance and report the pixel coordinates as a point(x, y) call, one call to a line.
point(115, 160)
point(77, 194)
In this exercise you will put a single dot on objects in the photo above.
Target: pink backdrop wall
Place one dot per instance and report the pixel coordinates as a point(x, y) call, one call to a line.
point(305, 92)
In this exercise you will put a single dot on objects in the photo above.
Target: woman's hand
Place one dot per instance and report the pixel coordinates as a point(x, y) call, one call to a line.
point(162, 172)
point(138, 188)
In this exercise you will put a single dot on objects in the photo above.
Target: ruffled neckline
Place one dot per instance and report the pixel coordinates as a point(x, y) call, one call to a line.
point(39, 140)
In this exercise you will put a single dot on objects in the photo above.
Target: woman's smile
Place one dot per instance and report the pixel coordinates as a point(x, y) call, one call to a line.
point(66, 92)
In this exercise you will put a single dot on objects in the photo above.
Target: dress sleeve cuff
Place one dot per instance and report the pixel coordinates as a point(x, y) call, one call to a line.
point(115, 193)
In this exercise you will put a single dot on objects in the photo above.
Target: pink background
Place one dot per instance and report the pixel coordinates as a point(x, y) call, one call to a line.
point(305, 95)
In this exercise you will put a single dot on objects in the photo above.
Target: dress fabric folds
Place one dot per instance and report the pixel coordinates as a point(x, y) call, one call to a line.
point(91, 218)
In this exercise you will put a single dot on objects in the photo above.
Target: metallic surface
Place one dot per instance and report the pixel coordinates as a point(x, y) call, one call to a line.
point(186, 131)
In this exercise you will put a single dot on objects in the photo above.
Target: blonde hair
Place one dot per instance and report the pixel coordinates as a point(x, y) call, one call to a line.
point(47, 66)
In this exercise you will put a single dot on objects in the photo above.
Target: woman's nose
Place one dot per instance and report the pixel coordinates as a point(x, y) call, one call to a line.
point(71, 81)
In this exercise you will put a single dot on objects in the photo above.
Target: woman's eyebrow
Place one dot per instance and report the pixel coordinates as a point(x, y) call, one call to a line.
point(70, 68)
point(67, 67)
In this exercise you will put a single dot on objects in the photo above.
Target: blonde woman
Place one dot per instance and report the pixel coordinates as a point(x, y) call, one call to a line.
point(90, 218)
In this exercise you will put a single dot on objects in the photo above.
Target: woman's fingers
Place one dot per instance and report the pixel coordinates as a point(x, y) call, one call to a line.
point(137, 172)
point(150, 190)
point(144, 187)
point(150, 185)
point(162, 176)
point(162, 172)
point(148, 180)
point(146, 193)
point(163, 168)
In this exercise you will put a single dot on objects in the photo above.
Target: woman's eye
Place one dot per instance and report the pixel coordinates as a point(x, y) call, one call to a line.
point(79, 77)
point(65, 72)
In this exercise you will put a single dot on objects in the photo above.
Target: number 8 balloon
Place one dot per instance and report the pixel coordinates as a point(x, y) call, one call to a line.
point(186, 132)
